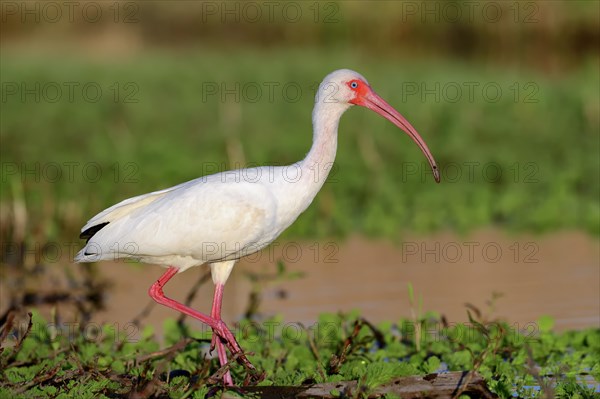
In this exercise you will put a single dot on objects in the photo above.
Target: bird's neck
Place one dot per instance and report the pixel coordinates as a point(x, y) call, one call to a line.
point(319, 160)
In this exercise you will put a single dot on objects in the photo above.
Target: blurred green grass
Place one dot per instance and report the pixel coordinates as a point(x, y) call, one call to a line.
point(545, 150)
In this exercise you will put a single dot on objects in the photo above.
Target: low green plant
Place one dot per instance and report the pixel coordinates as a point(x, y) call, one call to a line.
point(46, 360)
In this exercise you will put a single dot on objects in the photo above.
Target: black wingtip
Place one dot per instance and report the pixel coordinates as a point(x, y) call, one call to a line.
point(89, 233)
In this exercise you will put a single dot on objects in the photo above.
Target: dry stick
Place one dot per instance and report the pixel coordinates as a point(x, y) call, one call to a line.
point(164, 352)
point(545, 387)
point(75, 358)
point(474, 309)
point(379, 337)
point(6, 314)
point(17, 346)
point(151, 386)
point(67, 376)
point(10, 319)
point(39, 379)
point(30, 362)
point(147, 391)
point(469, 376)
point(251, 375)
point(476, 365)
point(217, 376)
point(337, 361)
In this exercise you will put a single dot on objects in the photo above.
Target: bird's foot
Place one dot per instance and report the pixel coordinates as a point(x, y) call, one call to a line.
point(221, 331)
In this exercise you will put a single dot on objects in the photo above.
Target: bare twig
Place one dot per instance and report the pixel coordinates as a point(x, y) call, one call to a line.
point(379, 337)
point(151, 387)
point(10, 319)
point(167, 351)
point(479, 359)
point(545, 386)
point(15, 350)
point(337, 360)
point(39, 379)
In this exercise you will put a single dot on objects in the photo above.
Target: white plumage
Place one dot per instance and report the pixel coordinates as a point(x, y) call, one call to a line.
point(210, 219)
point(220, 218)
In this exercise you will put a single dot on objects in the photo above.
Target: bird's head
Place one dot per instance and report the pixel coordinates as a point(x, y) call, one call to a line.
point(346, 88)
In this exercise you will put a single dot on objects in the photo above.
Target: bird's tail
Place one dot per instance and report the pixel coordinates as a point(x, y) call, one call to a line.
point(87, 255)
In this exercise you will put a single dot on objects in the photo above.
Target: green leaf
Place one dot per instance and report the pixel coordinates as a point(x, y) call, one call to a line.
point(545, 323)
point(432, 365)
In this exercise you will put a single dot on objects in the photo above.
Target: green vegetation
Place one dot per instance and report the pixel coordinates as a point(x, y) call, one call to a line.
point(509, 108)
point(522, 159)
point(526, 361)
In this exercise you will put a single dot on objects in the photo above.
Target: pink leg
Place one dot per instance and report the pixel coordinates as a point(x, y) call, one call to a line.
point(216, 314)
point(218, 326)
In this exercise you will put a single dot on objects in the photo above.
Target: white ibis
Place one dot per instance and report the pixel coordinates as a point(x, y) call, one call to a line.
point(220, 218)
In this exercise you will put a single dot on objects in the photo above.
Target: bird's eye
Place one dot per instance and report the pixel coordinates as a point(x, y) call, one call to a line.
point(354, 85)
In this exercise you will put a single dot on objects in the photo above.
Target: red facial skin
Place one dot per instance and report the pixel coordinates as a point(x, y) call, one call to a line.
point(366, 97)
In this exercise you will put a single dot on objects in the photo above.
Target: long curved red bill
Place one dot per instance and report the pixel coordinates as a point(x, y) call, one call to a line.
point(371, 100)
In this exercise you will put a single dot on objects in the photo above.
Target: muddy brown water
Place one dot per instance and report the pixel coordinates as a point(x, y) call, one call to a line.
point(556, 274)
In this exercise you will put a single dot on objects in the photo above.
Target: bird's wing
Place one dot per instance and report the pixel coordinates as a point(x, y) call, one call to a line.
point(202, 221)
point(123, 208)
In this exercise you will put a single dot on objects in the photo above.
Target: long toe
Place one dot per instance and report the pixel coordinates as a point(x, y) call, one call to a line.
point(223, 331)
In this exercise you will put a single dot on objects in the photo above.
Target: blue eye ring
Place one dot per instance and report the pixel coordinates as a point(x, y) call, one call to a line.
point(354, 85)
